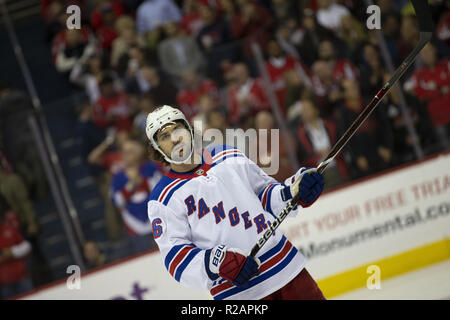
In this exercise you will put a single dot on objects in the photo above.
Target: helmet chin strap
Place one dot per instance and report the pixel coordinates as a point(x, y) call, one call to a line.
point(168, 159)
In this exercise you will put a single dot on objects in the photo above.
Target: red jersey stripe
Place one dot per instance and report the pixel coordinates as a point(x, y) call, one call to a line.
point(264, 267)
point(178, 258)
point(161, 197)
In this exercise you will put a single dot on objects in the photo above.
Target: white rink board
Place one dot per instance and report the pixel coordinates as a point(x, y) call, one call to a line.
point(148, 272)
point(144, 277)
point(403, 182)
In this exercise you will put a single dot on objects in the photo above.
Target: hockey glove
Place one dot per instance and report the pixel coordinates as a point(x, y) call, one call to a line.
point(233, 265)
point(309, 185)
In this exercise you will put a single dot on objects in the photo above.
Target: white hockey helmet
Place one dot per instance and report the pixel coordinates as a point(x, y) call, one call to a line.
point(158, 119)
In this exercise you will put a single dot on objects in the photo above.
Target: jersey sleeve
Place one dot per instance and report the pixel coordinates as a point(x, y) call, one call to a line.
point(182, 258)
point(274, 195)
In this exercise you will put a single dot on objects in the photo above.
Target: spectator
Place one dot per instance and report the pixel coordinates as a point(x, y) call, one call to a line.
point(93, 255)
point(215, 30)
point(106, 32)
point(265, 123)
point(372, 71)
point(193, 87)
point(245, 97)
point(152, 14)
point(431, 84)
point(403, 142)
point(178, 52)
point(131, 61)
point(90, 135)
point(108, 159)
point(55, 19)
point(352, 33)
point(296, 91)
point(283, 10)
point(191, 20)
point(13, 190)
point(88, 72)
point(390, 26)
point(16, 195)
point(314, 34)
point(277, 65)
point(290, 36)
point(370, 149)
point(252, 23)
point(326, 89)
point(228, 9)
point(107, 154)
point(14, 277)
point(206, 103)
point(17, 141)
point(112, 109)
point(216, 123)
point(69, 46)
point(342, 68)
point(317, 136)
point(146, 105)
point(126, 38)
point(330, 14)
point(217, 119)
point(149, 80)
point(409, 37)
point(443, 27)
point(214, 40)
point(130, 190)
point(102, 7)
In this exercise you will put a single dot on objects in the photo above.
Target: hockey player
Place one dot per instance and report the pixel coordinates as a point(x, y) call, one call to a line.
point(212, 206)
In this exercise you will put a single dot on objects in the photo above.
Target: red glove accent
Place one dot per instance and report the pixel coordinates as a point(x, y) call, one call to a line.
point(231, 265)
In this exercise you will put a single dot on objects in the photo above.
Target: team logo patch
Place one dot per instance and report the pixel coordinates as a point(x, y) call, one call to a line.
point(200, 172)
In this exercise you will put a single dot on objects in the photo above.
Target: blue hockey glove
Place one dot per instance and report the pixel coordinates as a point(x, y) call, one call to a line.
point(309, 185)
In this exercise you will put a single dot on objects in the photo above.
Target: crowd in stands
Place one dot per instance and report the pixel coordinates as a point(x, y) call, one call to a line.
point(321, 67)
point(322, 64)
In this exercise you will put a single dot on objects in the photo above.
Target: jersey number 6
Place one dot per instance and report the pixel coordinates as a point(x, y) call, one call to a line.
point(157, 229)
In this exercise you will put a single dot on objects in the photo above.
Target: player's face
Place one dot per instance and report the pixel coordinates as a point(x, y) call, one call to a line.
point(175, 141)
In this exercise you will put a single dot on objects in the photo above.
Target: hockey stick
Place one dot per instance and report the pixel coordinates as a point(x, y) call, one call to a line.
point(426, 31)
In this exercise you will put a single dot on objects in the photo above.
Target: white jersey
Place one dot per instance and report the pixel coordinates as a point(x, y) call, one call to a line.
point(228, 201)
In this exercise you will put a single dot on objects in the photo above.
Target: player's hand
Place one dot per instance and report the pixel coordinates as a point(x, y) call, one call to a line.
point(309, 185)
point(233, 265)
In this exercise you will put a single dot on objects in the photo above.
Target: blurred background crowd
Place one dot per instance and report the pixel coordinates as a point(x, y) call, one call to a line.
point(306, 67)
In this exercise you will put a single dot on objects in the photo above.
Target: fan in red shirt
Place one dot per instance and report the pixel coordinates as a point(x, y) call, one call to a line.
point(63, 41)
point(14, 278)
point(191, 22)
point(112, 109)
point(342, 68)
point(97, 18)
point(431, 84)
point(194, 87)
point(443, 28)
point(245, 96)
point(277, 65)
point(252, 23)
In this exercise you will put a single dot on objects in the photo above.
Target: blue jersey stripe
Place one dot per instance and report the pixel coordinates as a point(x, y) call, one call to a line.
point(260, 278)
point(215, 150)
point(233, 155)
point(175, 188)
point(268, 207)
point(173, 252)
point(185, 263)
